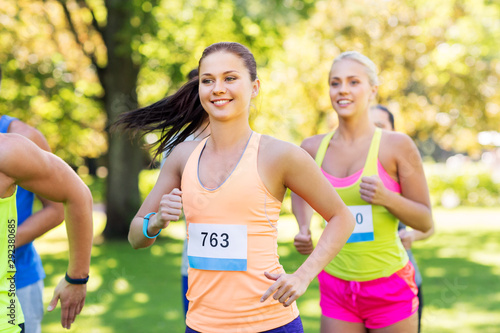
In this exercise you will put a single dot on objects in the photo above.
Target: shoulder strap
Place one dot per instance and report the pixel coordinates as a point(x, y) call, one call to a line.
point(5, 122)
point(371, 160)
point(254, 142)
point(320, 154)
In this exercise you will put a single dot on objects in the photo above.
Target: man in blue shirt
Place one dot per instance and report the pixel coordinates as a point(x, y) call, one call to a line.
point(30, 273)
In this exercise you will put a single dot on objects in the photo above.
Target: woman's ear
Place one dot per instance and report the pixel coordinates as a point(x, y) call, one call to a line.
point(255, 88)
point(373, 93)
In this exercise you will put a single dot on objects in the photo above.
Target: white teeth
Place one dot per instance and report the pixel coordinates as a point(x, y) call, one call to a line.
point(344, 102)
point(224, 101)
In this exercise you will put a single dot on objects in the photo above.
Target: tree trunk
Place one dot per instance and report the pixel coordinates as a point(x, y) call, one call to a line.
point(124, 158)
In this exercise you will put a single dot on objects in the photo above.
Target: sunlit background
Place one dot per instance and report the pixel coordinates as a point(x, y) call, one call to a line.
point(68, 66)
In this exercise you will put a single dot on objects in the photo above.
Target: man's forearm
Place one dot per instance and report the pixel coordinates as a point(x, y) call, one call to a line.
point(80, 233)
point(50, 216)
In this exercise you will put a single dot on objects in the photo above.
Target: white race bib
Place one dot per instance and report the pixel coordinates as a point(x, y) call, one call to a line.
point(363, 231)
point(217, 247)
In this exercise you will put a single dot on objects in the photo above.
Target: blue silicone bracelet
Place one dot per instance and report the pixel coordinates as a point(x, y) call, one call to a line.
point(145, 224)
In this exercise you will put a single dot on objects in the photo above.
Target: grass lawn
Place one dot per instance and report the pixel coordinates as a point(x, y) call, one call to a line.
point(139, 290)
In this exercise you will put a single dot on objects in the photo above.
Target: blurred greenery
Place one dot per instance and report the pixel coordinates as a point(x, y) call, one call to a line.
point(96, 186)
point(139, 290)
point(70, 66)
point(440, 63)
point(439, 68)
point(467, 185)
point(471, 185)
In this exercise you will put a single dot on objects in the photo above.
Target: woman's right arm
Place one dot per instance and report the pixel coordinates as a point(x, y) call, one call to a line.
point(305, 179)
point(166, 207)
point(298, 172)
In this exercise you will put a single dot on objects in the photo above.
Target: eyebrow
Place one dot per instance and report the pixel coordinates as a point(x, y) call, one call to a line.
point(349, 77)
point(226, 72)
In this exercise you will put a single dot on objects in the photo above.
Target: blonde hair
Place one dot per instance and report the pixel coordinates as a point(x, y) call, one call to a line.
point(371, 69)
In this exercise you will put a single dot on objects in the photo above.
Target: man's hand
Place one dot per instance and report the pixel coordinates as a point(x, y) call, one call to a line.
point(72, 298)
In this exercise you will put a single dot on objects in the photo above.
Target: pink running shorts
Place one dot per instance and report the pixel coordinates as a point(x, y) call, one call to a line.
point(377, 303)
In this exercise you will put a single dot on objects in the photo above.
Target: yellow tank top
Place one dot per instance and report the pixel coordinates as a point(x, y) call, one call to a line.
point(232, 239)
point(11, 314)
point(374, 249)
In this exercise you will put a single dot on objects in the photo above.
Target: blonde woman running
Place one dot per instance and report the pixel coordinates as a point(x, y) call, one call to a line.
point(369, 286)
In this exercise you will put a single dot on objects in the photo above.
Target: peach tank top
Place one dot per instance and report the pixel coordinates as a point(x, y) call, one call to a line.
point(232, 240)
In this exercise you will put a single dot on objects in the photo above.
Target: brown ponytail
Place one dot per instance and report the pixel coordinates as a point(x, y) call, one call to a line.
point(177, 117)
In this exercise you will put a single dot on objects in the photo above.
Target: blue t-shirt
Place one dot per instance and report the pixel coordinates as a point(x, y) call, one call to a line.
point(28, 263)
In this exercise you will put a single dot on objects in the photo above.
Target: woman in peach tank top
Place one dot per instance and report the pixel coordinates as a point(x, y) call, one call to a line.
point(231, 186)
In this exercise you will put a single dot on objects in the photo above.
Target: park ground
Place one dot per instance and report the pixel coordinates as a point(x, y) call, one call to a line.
point(139, 290)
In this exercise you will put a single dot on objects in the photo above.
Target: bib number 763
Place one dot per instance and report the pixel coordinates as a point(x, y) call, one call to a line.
point(215, 239)
point(221, 247)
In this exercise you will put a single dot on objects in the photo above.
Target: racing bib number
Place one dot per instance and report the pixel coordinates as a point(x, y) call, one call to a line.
point(217, 247)
point(363, 231)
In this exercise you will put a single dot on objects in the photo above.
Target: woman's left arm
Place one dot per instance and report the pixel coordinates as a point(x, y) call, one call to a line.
point(413, 206)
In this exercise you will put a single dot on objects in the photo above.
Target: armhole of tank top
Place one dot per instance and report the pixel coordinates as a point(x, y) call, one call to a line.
point(267, 193)
point(265, 209)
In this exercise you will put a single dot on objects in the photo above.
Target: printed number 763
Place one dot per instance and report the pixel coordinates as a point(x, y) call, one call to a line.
point(213, 240)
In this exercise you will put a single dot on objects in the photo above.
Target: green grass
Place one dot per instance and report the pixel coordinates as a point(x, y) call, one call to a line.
point(139, 290)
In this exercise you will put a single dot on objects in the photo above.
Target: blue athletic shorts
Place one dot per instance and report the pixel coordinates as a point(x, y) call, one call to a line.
point(295, 326)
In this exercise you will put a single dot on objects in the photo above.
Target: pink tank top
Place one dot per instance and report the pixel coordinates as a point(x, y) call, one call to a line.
point(388, 182)
point(232, 240)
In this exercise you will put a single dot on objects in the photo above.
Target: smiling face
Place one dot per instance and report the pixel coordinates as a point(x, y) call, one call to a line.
point(226, 88)
point(350, 88)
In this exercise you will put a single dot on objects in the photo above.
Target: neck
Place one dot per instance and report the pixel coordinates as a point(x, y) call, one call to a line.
point(352, 129)
point(226, 136)
point(202, 131)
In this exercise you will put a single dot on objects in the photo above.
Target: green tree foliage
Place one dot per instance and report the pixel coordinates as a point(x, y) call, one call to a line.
point(70, 66)
point(439, 67)
point(130, 51)
point(48, 82)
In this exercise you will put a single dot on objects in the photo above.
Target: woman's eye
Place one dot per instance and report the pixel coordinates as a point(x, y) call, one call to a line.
point(334, 84)
point(206, 81)
point(230, 78)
